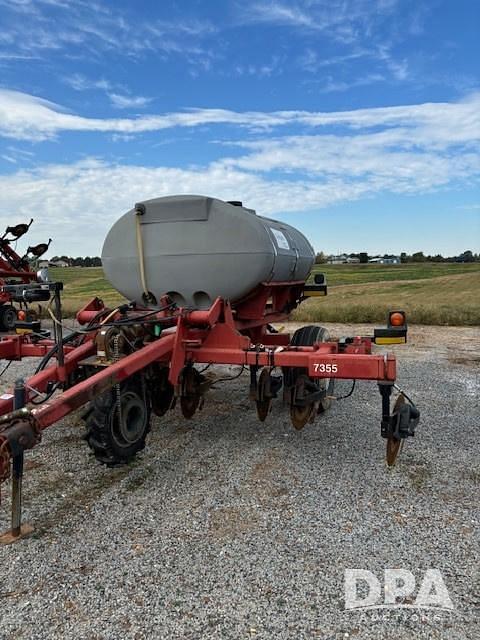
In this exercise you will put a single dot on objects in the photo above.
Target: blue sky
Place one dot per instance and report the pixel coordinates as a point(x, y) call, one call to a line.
point(358, 121)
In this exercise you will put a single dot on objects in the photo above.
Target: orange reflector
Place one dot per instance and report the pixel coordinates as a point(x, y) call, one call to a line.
point(396, 319)
point(21, 315)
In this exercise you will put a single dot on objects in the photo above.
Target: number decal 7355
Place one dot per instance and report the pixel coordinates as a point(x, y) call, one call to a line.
point(321, 367)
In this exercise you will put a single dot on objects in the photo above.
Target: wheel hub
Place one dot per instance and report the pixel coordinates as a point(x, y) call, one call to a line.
point(129, 428)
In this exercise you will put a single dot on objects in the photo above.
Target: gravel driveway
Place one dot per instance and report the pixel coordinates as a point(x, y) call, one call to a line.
point(228, 528)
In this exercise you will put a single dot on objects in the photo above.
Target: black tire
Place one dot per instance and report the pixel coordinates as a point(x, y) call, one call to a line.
point(306, 337)
point(8, 317)
point(114, 444)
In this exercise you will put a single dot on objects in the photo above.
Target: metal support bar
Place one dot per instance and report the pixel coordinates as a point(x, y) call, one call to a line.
point(18, 530)
point(57, 327)
point(17, 475)
point(253, 382)
point(385, 392)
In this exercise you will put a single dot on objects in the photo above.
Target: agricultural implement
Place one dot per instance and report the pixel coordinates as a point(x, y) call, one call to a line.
point(15, 269)
point(149, 354)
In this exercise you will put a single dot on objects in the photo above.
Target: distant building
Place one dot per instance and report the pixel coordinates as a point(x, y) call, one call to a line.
point(387, 260)
point(341, 259)
point(58, 263)
point(43, 264)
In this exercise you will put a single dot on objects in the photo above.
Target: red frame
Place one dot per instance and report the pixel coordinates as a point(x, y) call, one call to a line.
point(212, 336)
point(218, 335)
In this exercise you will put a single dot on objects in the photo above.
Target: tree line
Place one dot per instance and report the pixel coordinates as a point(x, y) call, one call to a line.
point(79, 262)
point(321, 258)
point(418, 256)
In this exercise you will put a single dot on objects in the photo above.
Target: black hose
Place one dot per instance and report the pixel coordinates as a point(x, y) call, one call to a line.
point(405, 395)
point(127, 321)
point(231, 378)
point(5, 368)
point(349, 393)
point(49, 355)
point(48, 396)
point(97, 316)
point(71, 336)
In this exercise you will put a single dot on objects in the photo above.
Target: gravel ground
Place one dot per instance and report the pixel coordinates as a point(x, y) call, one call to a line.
point(228, 528)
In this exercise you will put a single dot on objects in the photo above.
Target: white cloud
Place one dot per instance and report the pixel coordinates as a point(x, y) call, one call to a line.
point(334, 157)
point(82, 200)
point(343, 20)
point(189, 27)
point(128, 102)
point(398, 68)
point(359, 28)
point(469, 207)
point(362, 81)
point(375, 162)
point(15, 56)
point(278, 13)
point(27, 117)
point(80, 83)
point(8, 158)
point(312, 61)
point(273, 67)
point(123, 100)
point(89, 29)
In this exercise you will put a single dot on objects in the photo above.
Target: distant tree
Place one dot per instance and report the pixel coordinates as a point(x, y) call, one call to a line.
point(363, 257)
point(418, 257)
point(320, 258)
point(403, 257)
point(96, 262)
point(63, 258)
point(466, 256)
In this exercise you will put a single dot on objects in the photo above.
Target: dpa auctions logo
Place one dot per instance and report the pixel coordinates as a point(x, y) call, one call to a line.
point(363, 591)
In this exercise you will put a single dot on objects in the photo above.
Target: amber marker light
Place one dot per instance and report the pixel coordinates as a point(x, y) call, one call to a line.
point(397, 319)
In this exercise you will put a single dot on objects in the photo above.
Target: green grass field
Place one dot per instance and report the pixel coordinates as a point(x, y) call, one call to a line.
point(81, 284)
point(363, 273)
point(442, 294)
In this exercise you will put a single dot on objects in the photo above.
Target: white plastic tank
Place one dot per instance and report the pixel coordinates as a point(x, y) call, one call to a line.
point(196, 248)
